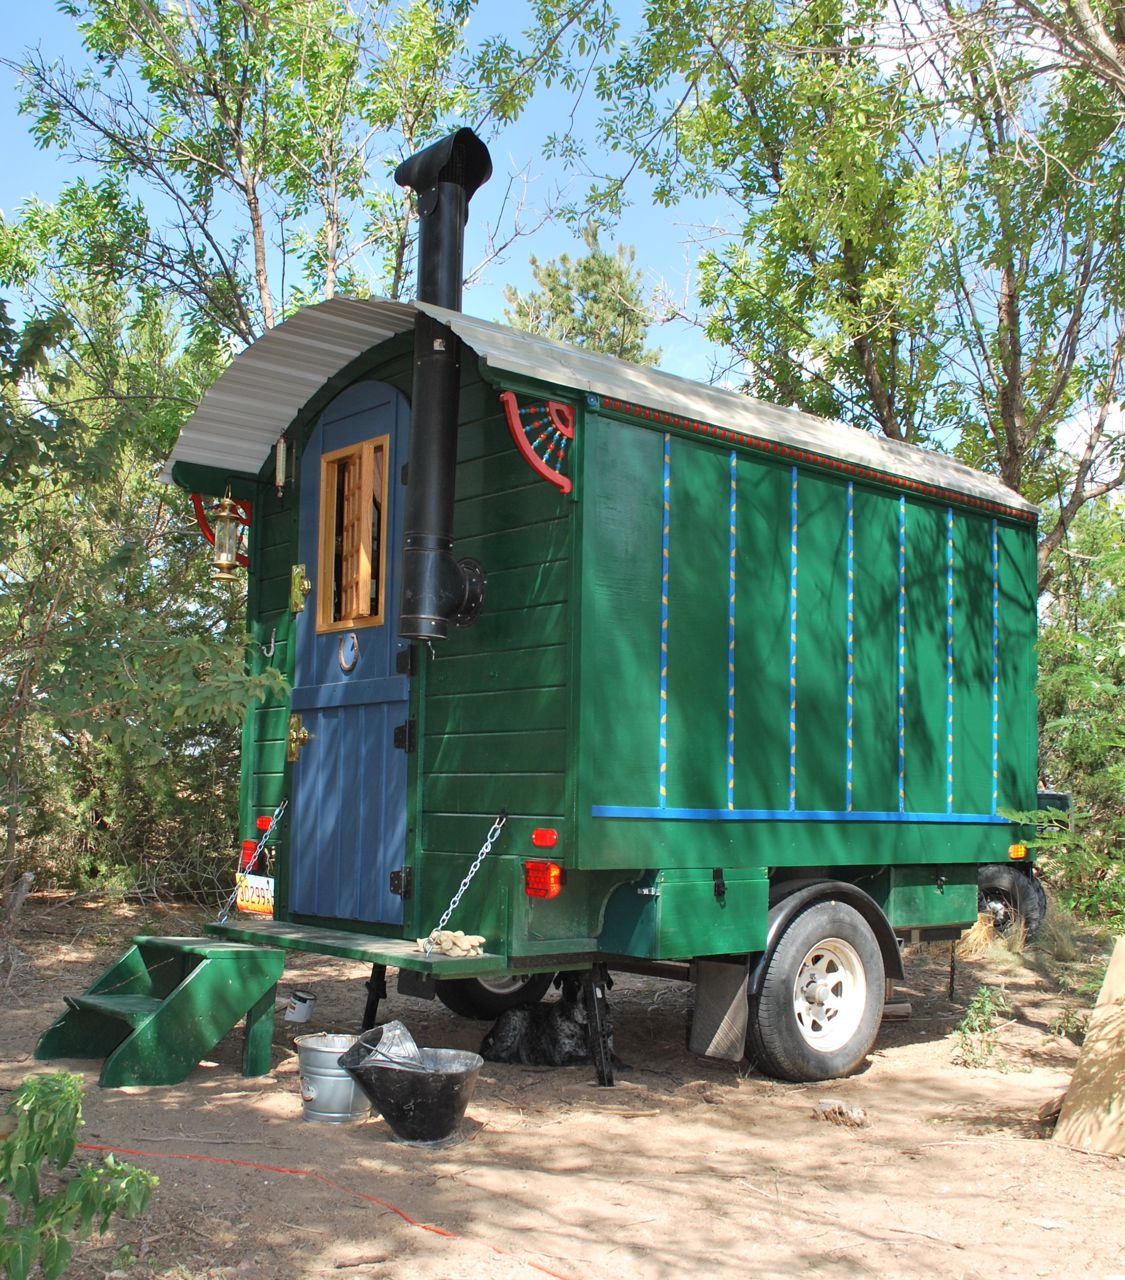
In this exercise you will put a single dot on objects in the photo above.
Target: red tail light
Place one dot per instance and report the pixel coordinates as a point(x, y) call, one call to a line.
point(249, 848)
point(543, 879)
point(263, 823)
point(544, 837)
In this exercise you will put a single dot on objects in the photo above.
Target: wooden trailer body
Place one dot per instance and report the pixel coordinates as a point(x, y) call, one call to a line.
point(725, 647)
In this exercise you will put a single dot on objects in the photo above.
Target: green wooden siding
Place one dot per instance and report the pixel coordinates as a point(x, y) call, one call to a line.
point(698, 563)
point(925, 743)
point(860, 713)
point(263, 743)
point(494, 724)
point(761, 691)
point(972, 664)
point(1016, 784)
point(822, 642)
point(619, 683)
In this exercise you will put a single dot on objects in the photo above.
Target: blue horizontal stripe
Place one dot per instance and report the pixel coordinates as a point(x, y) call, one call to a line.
point(794, 815)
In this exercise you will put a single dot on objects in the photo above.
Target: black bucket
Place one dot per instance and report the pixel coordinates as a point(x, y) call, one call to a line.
point(423, 1107)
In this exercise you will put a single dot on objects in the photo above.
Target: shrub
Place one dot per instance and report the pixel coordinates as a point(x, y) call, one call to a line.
point(37, 1224)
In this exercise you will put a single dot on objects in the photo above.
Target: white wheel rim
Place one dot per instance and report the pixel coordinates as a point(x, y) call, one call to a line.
point(829, 995)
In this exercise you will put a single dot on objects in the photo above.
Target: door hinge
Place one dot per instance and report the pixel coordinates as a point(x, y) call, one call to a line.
point(404, 661)
point(296, 738)
point(406, 736)
point(299, 587)
point(402, 881)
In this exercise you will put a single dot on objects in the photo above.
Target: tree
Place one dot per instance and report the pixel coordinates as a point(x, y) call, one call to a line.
point(927, 226)
point(264, 135)
point(120, 664)
point(596, 301)
point(1082, 708)
point(256, 127)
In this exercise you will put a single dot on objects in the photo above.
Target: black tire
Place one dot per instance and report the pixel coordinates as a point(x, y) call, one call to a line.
point(1008, 894)
point(485, 999)
point(821, 1002)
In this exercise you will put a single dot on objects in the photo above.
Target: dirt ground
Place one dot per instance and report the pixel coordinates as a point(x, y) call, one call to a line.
point(685, 1168)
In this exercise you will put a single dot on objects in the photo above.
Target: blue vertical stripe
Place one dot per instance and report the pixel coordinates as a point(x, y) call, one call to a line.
point(664, 556)
point(902, 655)
point(849, 758)
point(793, 645)
point(949, 661)
point(995, 665)
point(730, 625)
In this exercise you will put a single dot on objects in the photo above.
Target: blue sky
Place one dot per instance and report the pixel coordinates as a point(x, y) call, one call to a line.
point(661, 237)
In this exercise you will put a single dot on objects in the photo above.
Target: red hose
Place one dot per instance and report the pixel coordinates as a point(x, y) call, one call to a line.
point(317, 1177)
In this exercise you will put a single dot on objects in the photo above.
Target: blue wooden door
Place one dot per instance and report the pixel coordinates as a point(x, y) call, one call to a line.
point(348, 825)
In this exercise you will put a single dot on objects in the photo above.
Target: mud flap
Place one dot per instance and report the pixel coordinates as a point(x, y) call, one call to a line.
point(718, 1023)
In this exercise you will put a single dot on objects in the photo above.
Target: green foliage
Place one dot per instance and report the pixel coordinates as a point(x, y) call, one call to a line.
point(596, 301)
point(977, 1031)
point(270, 131)
point(925, 225)
point(121, 664)
point(1071, 1024)
point(42, 1216)
point(1082, 714)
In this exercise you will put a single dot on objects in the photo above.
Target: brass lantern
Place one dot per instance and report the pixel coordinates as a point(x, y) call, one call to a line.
point(225, 522)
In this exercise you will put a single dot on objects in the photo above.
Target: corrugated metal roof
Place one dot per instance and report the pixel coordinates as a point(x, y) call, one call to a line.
point(265, 387)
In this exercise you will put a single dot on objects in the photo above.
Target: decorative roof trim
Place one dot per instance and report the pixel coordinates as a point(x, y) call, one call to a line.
point(823, 460)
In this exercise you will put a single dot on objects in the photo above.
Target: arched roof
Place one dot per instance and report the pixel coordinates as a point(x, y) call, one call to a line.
point(268, 384)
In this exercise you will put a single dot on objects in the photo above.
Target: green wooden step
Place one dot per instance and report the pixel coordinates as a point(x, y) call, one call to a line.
point(130, 1009)
point(205, 947)
point(165, 1005)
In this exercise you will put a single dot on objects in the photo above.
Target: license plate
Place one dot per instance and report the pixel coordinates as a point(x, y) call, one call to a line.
point(255, 895)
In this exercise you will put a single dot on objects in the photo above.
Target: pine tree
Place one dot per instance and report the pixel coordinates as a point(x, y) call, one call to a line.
point(596, 301)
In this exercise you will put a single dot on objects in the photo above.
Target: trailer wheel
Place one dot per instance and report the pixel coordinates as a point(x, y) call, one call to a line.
point(487, 998)
point(821, 1000)
point(1008, 894)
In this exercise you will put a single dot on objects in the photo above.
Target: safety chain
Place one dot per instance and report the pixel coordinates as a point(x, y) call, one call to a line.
point(485, 850)
point(223, 915)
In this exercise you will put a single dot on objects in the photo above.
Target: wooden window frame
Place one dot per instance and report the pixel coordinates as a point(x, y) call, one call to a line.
point(372, 457)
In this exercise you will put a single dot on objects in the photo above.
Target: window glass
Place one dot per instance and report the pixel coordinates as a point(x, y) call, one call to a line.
point(352, 536)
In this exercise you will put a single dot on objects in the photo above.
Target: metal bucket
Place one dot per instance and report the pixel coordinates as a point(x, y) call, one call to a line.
point(423, 1108)
point(328, 1092)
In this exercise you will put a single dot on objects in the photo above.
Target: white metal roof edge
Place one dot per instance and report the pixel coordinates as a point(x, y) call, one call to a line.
point(267, 385)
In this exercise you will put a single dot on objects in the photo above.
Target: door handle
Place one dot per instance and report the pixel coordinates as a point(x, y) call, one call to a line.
point(299, 588)
point(297, 737)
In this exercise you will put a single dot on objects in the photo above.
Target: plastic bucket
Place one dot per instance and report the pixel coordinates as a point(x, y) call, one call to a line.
point(423, 1108)
point(300, 1006)
point(328, 1092)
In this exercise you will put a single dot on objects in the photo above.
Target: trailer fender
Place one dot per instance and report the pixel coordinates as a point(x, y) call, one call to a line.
point(789, 900)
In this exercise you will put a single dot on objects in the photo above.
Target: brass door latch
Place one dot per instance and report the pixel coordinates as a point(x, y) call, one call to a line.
point(299, 587)
point(297, 737)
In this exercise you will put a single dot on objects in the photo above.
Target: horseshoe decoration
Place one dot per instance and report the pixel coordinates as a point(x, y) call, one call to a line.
point(347, 665)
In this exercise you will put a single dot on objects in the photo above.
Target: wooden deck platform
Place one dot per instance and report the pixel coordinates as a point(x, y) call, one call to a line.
point(399, 952)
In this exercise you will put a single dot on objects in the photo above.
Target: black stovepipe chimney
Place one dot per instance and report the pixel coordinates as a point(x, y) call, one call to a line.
point(436, 588)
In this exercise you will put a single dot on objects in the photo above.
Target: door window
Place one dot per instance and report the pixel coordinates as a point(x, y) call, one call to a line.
point(351, 565)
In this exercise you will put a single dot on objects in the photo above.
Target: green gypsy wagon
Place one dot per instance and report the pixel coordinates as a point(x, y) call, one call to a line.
point(724, 690)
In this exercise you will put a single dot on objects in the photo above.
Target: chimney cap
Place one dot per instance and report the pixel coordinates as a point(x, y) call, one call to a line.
point(461, 158)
